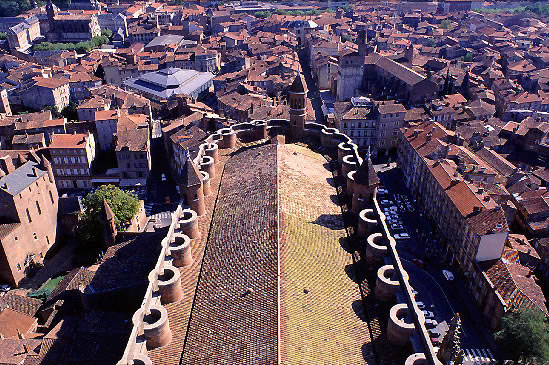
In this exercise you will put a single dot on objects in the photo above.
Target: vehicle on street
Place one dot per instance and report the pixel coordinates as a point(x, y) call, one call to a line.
point(435, 340)
point(4, 288)
point(382, 191)
point(430, 323)
point(402, 236)
point(397, 227)
point(163, 177)
point(434, 333)
point(420, 305)
point(448, 275)
point(428, 314)
point(385, 202)
point(419, 263)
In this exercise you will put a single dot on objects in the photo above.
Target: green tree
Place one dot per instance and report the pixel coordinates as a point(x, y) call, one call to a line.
point(524, 336)
point(70, 112)
point(107, 33)
point(123, 204)
point(445, 24)
point(3, 35)
point(468, 57)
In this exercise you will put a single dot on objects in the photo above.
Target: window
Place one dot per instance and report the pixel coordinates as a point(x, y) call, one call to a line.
point(15, 238)
point(38, 208)
point(51, 197)
point(28, 215)
point(18, 267)
point(34, 235)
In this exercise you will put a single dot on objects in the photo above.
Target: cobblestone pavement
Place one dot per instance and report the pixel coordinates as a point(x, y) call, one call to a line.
point(319, 302)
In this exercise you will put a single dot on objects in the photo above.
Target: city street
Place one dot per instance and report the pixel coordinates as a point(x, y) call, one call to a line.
point(442, 297)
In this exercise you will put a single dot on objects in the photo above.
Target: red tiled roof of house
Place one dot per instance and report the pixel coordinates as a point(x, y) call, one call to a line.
point(13, 322)
point(69, 140)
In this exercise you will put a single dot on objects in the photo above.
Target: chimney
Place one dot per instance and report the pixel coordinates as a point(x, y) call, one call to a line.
point(7, 164)
point(35, 171)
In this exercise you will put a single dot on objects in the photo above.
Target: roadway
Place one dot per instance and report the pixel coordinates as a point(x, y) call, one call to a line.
point(444, 298)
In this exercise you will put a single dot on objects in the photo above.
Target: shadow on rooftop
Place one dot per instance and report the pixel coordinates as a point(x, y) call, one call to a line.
point(331, 221)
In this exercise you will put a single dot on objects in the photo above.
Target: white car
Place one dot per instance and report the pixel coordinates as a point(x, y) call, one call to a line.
point(430, 323)
point(386, 202)
point(164, 177)
point(402, 236)
point(382, 191)
point(448, 275)
point(420, 305)
point(428, 314)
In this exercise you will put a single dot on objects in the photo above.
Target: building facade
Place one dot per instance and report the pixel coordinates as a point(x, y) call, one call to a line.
point(28, 218)
point(72, 156)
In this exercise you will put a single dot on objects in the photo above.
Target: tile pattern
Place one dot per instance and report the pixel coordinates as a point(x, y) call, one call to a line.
point(235, 315)
point(320, 305)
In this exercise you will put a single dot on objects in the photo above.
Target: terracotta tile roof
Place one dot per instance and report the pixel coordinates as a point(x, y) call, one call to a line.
point(225, 312)
point(69, 141)
point(488, 221)
point(515, 284)
point(13, 350)
point(127, 264)
point(20, 303)
point(50, 83)
point(12, 321)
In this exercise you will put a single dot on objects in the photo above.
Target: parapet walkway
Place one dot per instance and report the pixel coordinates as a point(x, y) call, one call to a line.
point(320, 305)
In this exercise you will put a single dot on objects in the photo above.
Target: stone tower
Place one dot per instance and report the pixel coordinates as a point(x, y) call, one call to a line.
point(450, 351)
point(192, 186)
point(297, 96)
point(362, 43)
point(109, 224)
point(4, 103)
point(366, 182)
point(351, 70)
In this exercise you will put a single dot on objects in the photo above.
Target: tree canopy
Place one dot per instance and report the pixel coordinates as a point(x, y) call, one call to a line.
point(123, 204)
point(80, 47)
point(524, 336)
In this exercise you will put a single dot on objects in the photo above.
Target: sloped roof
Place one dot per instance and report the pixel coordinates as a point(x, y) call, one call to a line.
point(299, 85)
point(191, 176)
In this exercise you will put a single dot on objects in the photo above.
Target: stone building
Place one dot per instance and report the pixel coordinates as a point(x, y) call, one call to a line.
point(41, 92)
point(351, 71)
point(21, 36)
point(71, 27)
point(370, 123)
point(28, 216)
point(133, 152)
point(72, 156)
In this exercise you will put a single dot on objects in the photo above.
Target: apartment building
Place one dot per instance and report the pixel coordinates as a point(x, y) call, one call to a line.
point(452, 185)
point(72, 156)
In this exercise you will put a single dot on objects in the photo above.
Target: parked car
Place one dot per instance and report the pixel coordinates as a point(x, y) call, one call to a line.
point(4, 288)
point(428, 314)
point(420, 305)
point(448, 275)
point(434, 333)
point(396, 227)
point(385, 202)
point(435, 340)
point(419, 263)
point(382, 191)
point(430, 323)
point(164, 177)
point(402, 236)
